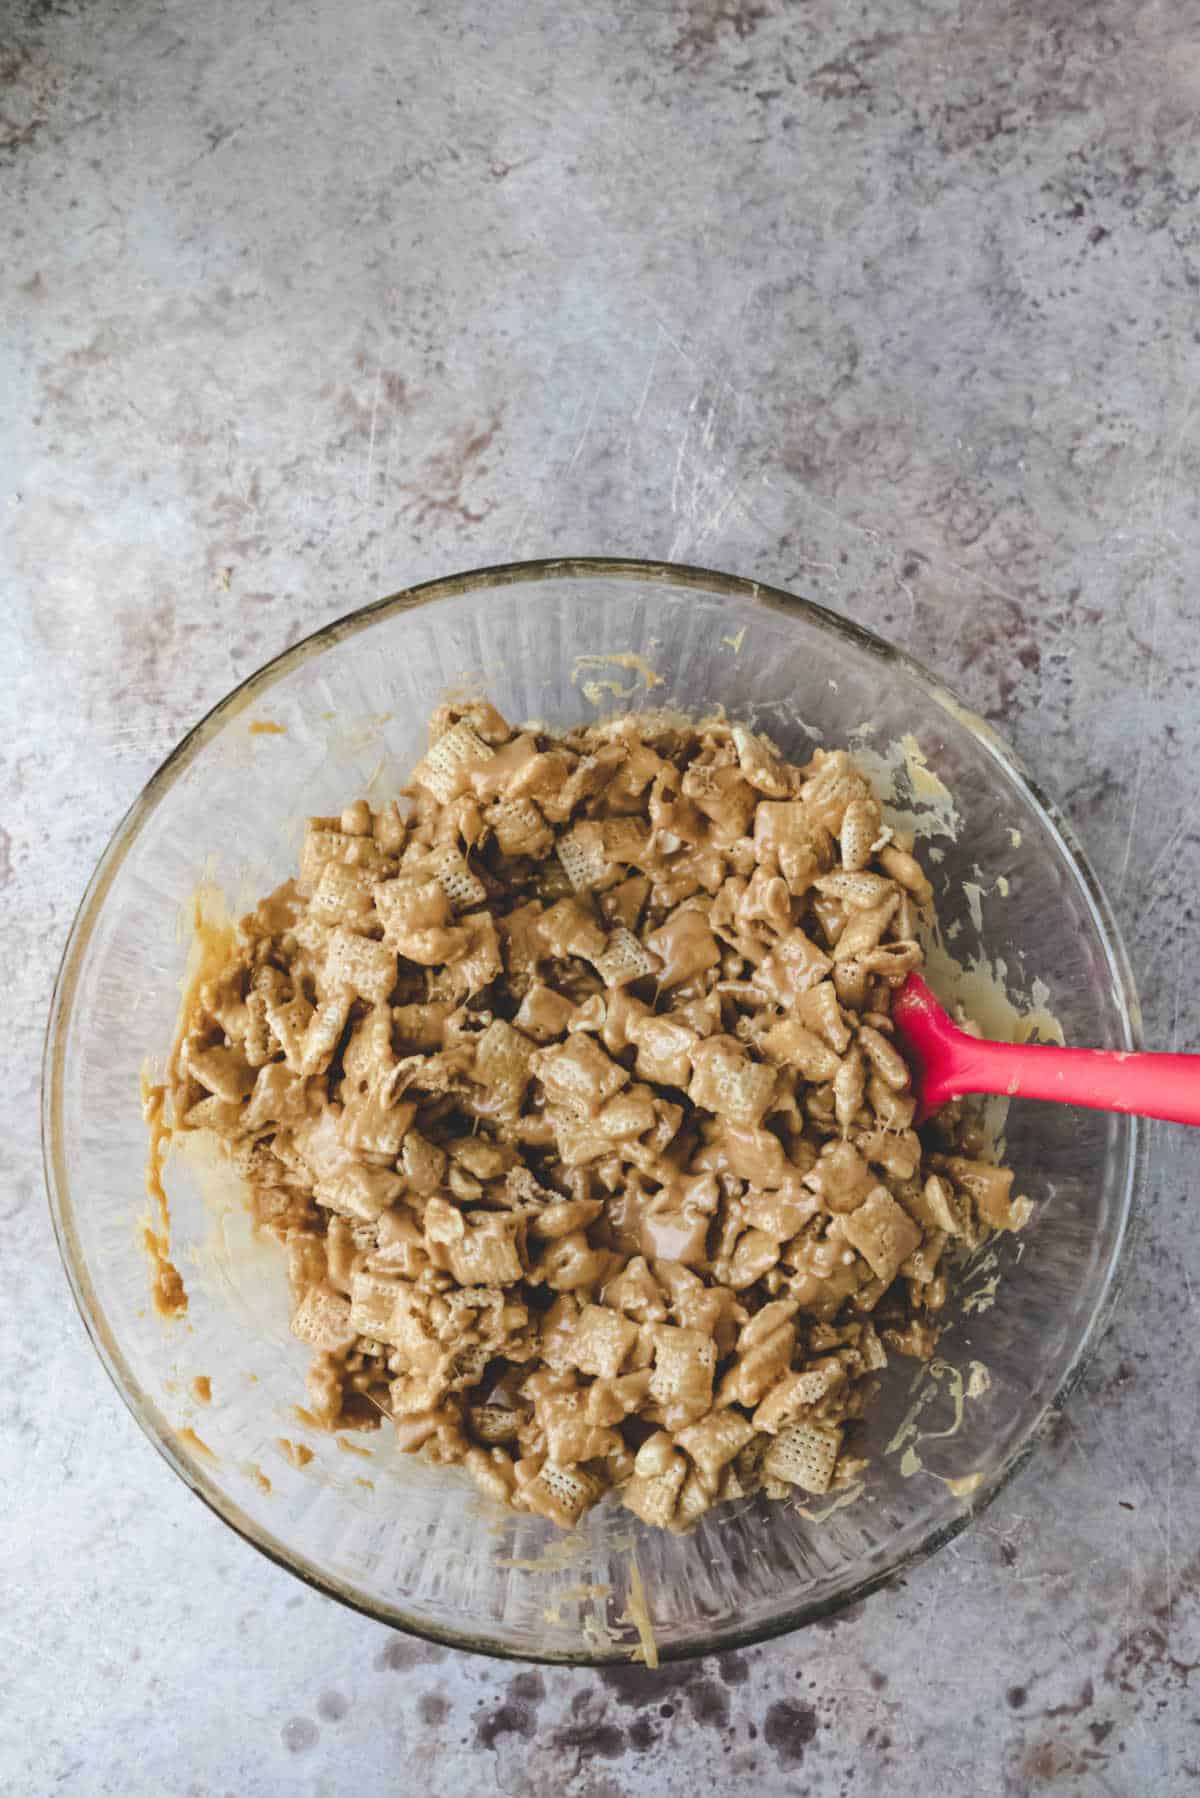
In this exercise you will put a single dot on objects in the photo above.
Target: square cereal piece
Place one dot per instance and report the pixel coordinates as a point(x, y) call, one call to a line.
point(414, 1394)
point(462, 888)
point(805, 1455)
point(392, 1311)
point(578, 1074)
point(726, 1082)
point(626, 840)
point(786, 838)
point(625, 959)
point(370, 1125)
point(479, 1247)
point(324, 842)
point(322, 1319)
point(361, 1192)
point(570, 927)
point(364, 966)
point(280, 1097)
point(447, 766)
point(624, 903)
point(609, 1401)
point(417, 921)
point(325, 1031)
point(797, 1392)
point(758, 1366)
point(834, 784)
point(881, 1231)
point(344, 895)
point(288, 1019)
point(714, 1441)
point(664, 1050)
point(502, 1064)
point(477, 965)
point(682, 1377)
point(761, 763)
point(224, 1072)
point(602, 1340)
point(544, 1014)
point(562, 1494)
point(686, 946)
point(795, 964)
point(653, 1497)
point(794, 1046)
point(520, 828)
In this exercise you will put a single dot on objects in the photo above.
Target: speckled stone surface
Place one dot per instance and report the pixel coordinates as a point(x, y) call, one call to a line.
point(895, 304)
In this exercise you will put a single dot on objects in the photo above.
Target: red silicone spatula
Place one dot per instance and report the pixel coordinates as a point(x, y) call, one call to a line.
point(946, 1062)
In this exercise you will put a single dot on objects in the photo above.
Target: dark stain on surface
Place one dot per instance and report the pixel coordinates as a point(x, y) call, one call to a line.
point(635, 1684)
point(401, 1653)
point(709, 20)
point(642, 1734)
point(607, 1740)
point(332, 1706)
point(1016, 1696)
point(1186, 1584)
point(998, 641)
point(22, 115)
point(1141, 1653)
point(13, 64)
point(838, 80)
point(709, 1704)
point(849, 1613)
point(527, 1688)
point(148, 640)
point(299, 1734)
point(1045, 1762)
point(788, 1729)
point(510, 1719)
point(14, 137)
point(447, 472)
point(733, 1668)
point(432, 1708)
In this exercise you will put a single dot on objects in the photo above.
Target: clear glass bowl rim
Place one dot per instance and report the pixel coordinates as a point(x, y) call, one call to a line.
point(480, 580)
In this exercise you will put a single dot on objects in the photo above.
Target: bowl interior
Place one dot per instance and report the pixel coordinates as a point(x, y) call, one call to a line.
point(416, 1546)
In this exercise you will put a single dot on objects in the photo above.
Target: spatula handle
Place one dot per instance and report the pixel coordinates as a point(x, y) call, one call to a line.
point(1152, 1086)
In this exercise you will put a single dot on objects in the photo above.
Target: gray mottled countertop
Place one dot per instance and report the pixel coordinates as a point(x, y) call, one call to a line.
point(894, 304)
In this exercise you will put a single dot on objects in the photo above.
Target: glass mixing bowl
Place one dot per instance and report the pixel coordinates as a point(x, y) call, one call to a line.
point(417, 1547)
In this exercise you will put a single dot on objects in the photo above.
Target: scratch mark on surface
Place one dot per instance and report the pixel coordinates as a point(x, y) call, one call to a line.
point(674, 342)
point(680, 456)
point(645, 394)
point(365, 492)
point(1189, 818)
point(587, 425)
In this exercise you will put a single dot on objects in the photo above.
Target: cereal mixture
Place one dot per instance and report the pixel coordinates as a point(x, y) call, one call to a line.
point(568, 1085)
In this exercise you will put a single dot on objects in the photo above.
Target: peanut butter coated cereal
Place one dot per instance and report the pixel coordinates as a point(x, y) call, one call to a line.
point(568, 1085)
